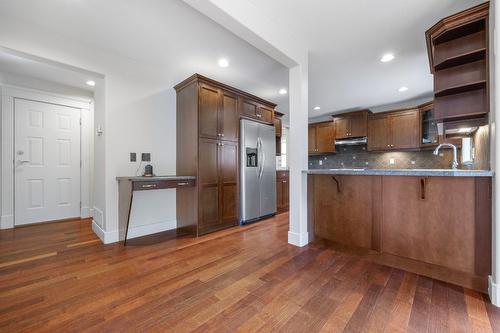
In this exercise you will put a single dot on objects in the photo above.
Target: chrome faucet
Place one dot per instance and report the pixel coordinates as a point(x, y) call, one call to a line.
point(454, 165)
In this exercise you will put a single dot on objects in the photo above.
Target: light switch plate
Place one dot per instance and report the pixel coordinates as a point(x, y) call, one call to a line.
point(392, 161)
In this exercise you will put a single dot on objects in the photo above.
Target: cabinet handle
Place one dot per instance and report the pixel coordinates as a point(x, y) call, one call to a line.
point(423, 188)
point(283, 181)
point(222, 134)
point(259, 115)
point(182, 184)
point(148, 186)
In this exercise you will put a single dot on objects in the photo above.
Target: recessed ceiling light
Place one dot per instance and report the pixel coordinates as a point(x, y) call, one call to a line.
point(282, 91)
point(316, 108)
point(223, 63)
point(403, 89)
point(90, 83)
point(387, 57)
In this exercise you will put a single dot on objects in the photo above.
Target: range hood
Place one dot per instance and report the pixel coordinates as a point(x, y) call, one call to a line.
point(351, 141)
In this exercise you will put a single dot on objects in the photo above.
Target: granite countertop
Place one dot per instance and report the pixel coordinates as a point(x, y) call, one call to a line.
point(170, 177)
point(402, 172)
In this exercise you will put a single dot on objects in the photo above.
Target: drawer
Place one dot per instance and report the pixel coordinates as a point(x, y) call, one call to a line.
point(162, 184)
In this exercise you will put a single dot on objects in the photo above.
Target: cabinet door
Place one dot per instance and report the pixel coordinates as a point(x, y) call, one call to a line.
point(285, 194)
point(277, 126)
point(342, 208)
point(229, 117)
point(265, 114)
point(342, 127)
point(325, 138)
point(312, 139)
point(405, 130)
point(249, 108)
point(208, 184)
point(358, 125)
point(228, 161)
point(279, 195)
point(437, 222)
point(209, 99)
point(378, 133)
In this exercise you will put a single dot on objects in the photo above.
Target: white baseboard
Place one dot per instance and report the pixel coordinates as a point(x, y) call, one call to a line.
point(493, 292)
point(108, 237)
point(98, 216)
point(85, 212)
point(298, 239)
point(7, 222)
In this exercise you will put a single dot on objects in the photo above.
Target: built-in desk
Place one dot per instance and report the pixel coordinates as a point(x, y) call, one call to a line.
point(127, 186)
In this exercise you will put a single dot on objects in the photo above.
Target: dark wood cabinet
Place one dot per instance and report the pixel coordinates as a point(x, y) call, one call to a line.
point(394, 130)
point(458, 49)
point(351, 125)
point(278, 127)
point(428, 129)
point(208, 116)
point(404, 127)
point(253, 109)
point(321, 138)
point(419, 223)
point(218, 112)
point(282, 191)
point(378, 132)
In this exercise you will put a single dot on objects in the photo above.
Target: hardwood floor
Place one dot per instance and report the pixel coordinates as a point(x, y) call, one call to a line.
point(59, 277)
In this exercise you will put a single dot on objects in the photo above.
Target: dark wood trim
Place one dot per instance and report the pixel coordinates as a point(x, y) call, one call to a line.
point(201, 78)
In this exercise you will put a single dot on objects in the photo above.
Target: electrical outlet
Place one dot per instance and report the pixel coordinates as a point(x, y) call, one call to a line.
point(146, 157)
point(133, 157)
point(392, 161)
point(320, 162)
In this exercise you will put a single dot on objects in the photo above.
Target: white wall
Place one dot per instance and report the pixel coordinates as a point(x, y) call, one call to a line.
point(135, 102)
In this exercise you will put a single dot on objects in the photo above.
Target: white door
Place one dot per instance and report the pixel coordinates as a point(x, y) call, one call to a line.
point(47, 162)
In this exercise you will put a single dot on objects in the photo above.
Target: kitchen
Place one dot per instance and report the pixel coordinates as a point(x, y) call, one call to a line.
point(253, 166)
point(411, 186)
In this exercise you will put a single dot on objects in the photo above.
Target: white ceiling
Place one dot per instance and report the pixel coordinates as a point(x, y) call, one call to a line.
point(18, 64)
point(346, 39)
point(167, 35)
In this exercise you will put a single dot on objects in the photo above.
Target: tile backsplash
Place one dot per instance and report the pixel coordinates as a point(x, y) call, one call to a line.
point(359, 157)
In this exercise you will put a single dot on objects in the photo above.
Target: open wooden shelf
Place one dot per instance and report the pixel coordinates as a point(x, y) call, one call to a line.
point(461, 59)
point(461, 88)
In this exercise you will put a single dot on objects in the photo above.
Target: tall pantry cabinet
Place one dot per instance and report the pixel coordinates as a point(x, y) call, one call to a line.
point(208, 114)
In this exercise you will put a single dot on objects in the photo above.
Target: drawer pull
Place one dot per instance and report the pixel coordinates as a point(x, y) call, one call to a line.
point(182, 184)
point(149, 186)
point(423, 188)
point(284, 181)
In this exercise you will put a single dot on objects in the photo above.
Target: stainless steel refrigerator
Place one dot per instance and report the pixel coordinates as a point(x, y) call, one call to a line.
point(257, 170)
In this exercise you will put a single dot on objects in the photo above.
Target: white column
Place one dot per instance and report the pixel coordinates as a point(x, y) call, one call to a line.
point(493, 288)
point(298, 89)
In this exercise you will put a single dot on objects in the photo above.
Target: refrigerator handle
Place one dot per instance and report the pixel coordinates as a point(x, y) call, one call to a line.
point(263, 158)
point(259, 156)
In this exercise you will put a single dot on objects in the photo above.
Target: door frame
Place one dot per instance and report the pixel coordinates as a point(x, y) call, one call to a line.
point(86, 105)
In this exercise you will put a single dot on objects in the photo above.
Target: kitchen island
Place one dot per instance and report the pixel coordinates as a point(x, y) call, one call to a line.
point(431, 222)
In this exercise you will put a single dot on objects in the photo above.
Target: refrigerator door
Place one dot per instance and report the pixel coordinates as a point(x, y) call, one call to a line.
point(267, 179)
point(249, 170)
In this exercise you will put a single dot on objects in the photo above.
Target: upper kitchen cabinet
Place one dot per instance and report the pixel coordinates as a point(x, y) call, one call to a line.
point(278, 127)
point(458, 55)
point(428, 130)
point(322, 138)
point(351, 125)
point(394, 130)
point(218, 113)
point(255, 109)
